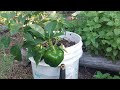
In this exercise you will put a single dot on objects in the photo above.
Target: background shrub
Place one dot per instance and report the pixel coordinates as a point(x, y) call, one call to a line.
point(100, 31)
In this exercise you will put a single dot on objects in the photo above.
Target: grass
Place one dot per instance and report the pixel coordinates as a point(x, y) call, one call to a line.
point(6, 63)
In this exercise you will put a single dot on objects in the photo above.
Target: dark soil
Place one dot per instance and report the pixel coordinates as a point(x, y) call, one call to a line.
point(22, 72)
point(65, 42)
point(19, 71)
point(86, 73)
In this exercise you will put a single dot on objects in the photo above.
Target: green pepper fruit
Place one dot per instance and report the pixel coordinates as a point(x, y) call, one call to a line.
point(54, 57)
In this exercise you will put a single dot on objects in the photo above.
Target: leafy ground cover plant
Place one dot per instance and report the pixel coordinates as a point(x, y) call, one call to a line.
point(100, 75)
point(100, 31)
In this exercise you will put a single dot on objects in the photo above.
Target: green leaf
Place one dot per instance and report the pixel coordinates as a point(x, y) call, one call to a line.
point(59, 26)
point(117, 31)
point(95, 44)
point(16, 51)
point(101, 34)
point(14, 28)
point(91, 13)
point(58, 34)
point(94, 34)
point(6, 41)
point(119, 47)
point(28, 36)
point(116, 77)
point(8, 15)
point(38, 41)
point(99, 73)
point(90, 23)
point(109, 77)
point(118, 40)
point(96, 19)
point(39, 52)
point(38, 57)
point(91, 28)
point(110, 33)
point(53, 15)
point(22, 19)
point(115, 52)
point(28, 44)
point(85, 29)
point(29, 53)
point(93, 41)
point(27, 29)
point(97, 26)
point(113, 43)
point(109, 49)
point(87, 43)
point(37, 28)
point(105, 75)
point(50, 27)
point(35, 34)
point(97, 77)
point(105, 41)
point(110, 23)
point(117, 22)
point(104, 19)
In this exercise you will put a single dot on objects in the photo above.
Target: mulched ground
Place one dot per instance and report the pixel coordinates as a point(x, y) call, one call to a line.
point(86, 73)
point(19, 71)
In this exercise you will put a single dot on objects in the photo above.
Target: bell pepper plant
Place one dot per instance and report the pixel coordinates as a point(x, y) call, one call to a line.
point(38, 32)
point(41, 46)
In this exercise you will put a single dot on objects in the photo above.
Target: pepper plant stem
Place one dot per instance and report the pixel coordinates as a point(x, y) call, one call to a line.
point(51, 44)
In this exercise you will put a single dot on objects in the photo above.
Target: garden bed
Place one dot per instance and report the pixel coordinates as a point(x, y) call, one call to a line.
point(88, 64)
point(21, 72)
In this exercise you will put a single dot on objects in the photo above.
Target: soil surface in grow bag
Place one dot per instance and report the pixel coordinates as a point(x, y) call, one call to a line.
point(66, 43)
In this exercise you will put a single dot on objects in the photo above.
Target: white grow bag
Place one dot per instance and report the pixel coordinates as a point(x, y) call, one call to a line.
point(71, 61)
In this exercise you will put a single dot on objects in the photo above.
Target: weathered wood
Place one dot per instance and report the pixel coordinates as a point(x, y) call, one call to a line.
point(99, 63)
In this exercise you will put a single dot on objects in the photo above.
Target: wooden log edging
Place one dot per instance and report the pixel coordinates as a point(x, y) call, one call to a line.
point(99, 63)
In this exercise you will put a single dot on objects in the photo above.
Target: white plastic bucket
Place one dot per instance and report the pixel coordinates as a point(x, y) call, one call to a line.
point(71, 61)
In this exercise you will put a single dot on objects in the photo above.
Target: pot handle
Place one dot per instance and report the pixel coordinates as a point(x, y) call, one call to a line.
point(62, 72)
